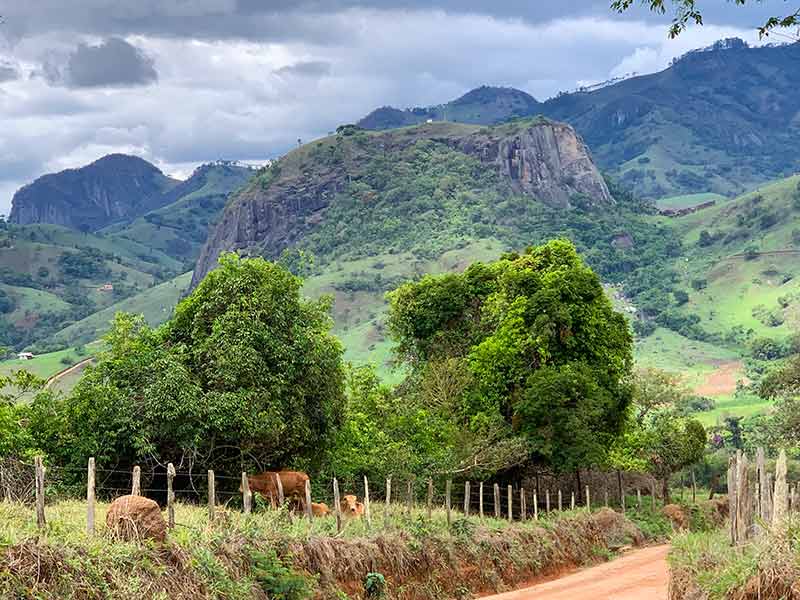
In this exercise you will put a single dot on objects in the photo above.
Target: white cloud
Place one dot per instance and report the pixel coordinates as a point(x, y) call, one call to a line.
point(249, 98)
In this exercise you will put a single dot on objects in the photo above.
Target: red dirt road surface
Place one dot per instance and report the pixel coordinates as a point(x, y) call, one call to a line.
point(639, 575)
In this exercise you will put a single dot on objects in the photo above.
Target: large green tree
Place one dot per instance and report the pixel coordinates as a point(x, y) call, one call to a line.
point(245, 373)
point(533, 348)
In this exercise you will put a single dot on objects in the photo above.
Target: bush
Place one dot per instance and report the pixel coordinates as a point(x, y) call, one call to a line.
point(278, 580)
point(681, 297)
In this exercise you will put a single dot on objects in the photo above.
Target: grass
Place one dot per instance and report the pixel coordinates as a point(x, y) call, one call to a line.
point(689, 200)
point(264, 555)
point(47, 365)
point(155, 303)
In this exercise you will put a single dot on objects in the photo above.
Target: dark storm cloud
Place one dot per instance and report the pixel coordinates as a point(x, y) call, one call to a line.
point(114, 62)
point(282, 20)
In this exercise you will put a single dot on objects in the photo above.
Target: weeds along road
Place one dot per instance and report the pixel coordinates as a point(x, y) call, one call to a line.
point(638, 575)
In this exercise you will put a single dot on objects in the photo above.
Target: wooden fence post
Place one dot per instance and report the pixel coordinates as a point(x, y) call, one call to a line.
point(536, 505)
point(496, 500)
point(40, 470)
point(606, 498)
point(170, 496)
point(480, 499)
point(247, 497)
point(639, 499)
point(279, 487)
point(409, 497)
point(387, 513)
point(309, 508)
point(572, 500)
point(467, 493)
point(447, 501)
point(337, 503)
point(560, 501)
point(522, 507)
point(653, 494)
point(510, 503)
point(136, 488)
point(212, 496)
point(588, 500)
point(367, 515)
point(430, 499)
point(732, 503)
point(547, 500)
point(90, 476)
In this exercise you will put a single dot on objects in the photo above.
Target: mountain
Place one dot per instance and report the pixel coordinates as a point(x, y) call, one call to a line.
point(485, 105)
point(53, 275)
point(362, 192)
point(114, 188)
point(180, 227)
point(721, 119)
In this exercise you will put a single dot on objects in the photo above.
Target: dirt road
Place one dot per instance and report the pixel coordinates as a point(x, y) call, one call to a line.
point(639, 575)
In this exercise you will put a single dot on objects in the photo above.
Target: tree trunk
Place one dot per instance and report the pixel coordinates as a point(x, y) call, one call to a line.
point(578, 479)
point(665, 490)
point(619, 485)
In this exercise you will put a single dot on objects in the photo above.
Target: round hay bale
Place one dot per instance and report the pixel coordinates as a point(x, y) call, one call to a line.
point(136, 518)
point(676, 516)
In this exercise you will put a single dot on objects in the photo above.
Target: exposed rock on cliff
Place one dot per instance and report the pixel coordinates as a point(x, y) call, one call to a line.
point(114, 188)
point(538, 159)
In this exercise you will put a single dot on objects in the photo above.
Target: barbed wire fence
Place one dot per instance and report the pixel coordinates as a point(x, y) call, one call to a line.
point(35, 484)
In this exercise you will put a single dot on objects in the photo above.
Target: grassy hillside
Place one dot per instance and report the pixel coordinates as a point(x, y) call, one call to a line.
point(155, 303)
point(179, 229)
point(51, 276)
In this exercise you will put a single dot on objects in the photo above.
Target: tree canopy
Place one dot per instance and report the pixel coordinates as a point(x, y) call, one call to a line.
point(535, 346)
point(689, 11)
point(245, 372)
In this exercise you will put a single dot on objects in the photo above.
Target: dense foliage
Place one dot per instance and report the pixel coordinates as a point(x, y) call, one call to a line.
point(246, 372)
point(534, 346)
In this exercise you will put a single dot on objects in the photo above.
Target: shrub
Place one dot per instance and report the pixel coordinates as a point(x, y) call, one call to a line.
point(276, 579)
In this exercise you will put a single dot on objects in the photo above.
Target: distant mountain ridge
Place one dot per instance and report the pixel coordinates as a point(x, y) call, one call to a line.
point(114, 188)
point(721, 119)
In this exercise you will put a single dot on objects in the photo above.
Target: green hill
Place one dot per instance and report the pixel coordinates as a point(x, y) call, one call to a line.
point(721, 119)
point(155, 303)
point(179, 229)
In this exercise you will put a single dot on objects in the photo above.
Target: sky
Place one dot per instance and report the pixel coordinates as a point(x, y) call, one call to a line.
point(181, 82)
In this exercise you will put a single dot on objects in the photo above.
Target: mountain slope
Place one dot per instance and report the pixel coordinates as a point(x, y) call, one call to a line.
point(424, 189)
point(114, 188)
point(180, 227)
point(718, 120)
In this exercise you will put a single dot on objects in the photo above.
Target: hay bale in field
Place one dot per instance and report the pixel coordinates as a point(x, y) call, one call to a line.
point(616, 529)
point(676, 516)
point(136, 518)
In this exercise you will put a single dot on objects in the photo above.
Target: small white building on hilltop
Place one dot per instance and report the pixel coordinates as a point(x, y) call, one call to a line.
point(25, 355)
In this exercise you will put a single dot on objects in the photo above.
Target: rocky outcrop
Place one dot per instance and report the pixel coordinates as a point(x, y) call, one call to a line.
point(114, 188)
point(547, 161)
point(541, 159)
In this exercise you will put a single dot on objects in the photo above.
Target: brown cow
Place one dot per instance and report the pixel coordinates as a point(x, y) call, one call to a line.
point(293, 482)
point(351, 507)
point(320, 509)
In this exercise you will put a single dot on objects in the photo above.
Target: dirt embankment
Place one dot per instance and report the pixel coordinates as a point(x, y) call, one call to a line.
point(484, 561)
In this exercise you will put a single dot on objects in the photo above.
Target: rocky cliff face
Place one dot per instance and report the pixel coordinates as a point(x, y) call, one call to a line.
point(545, 161)
point(114, 188)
